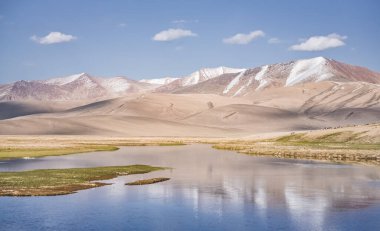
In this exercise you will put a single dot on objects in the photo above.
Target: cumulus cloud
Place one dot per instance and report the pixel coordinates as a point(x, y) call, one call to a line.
point(53, 37)
point(244, 38)
point(173, 34)
point(319, 43)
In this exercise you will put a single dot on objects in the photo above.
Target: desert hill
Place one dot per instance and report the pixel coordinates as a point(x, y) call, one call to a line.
point(220, 102)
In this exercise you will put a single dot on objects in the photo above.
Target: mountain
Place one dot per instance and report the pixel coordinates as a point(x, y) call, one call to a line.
point(160, 81)
point(293, 73)
point(299, 95)
point(75, 87)
point(197, 77)
point(86, 87)
point(221, 81)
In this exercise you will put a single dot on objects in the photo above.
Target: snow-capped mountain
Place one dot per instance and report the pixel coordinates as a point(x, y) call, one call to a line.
point(283, 75)
point(74, 87)
point(221, 80)
point(160, 81)
point(197, 77)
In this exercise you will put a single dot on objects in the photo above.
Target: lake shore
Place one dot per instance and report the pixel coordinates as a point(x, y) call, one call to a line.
point(355, 144)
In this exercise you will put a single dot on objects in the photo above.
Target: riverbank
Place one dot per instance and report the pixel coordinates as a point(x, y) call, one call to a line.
point(346, 144)
point(349, 145)
point(51, 182)
point(13, 147)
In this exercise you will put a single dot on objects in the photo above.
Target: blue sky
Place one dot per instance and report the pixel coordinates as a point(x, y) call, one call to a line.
point(146, 39)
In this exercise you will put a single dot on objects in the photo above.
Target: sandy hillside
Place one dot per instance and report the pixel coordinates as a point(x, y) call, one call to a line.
point(302, 107)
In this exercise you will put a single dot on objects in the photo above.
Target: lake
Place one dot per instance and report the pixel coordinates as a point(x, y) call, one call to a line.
point(209, 190)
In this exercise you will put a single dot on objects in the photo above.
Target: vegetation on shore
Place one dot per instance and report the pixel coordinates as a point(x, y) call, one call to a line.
point(148, 181)
point(50, 182)
point(352, 143)
point(16, 147)
point(336, 146)
point(32, 152)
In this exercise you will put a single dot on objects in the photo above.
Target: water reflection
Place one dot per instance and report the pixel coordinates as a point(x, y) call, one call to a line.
point(232, 191)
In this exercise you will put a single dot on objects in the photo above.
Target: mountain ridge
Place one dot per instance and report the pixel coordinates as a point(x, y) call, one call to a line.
point(221, 80)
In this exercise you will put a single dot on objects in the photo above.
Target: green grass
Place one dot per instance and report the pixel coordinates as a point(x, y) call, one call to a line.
point(346, 146)
point(49, 182)
point(12, 153)
point(148, 181)
point(336, 140)
point(20, 152)
point(290, 137)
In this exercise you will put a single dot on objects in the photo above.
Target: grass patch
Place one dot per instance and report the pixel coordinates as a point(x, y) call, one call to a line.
point(19, 152)
point(148, 181)
point(291, 137)
point(50, 182)
point(345, 146)
point(72, 148)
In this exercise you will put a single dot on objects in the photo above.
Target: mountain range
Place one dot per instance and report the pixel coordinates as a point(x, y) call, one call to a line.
point(297, 95)
point(220, 80)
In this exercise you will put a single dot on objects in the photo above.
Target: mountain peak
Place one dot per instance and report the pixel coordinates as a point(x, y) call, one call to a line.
point(65, 80)
point(308, 69)
point(159, 81)
point(208, 73)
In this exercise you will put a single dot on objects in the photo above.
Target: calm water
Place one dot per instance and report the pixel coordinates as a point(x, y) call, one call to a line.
point(209, 190)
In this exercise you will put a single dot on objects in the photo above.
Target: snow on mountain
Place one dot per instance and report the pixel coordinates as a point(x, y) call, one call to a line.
point(64, 80)
point(279, 75)
point(160, 81)
point(74, 87)
point(197, 77)
point(116, 84)
point(206, 74)
point(234, 82)
point(315, 69)
point(260, 77)
point(221, 80)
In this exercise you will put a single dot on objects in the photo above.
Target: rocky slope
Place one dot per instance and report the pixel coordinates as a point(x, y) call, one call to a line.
point(75, 87)
point(289, 74)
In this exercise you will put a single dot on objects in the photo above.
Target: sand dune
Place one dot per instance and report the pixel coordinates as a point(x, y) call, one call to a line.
point(254, 118)
point(110, 126)
point(10, 109)
point(301, 107)
point(163, 106)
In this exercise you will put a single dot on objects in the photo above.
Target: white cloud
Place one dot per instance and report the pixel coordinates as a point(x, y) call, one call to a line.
point(319, 43)
point(172, 34)
point(53, 37)
point(244, 38)
point(274, 41)
point(122, 24)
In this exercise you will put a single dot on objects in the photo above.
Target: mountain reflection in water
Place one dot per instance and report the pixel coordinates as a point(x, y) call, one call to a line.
point(209, 189)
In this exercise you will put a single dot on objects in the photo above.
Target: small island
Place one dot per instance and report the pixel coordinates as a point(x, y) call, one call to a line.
point(51, 182)
point(148, 181)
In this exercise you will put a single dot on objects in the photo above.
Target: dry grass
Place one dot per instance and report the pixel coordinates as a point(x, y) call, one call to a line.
point(337, 146)
point(12, 147)
point(148, 181)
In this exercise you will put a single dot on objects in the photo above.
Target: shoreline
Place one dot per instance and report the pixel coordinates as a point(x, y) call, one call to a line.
point(355, 144)
point(54, 182)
